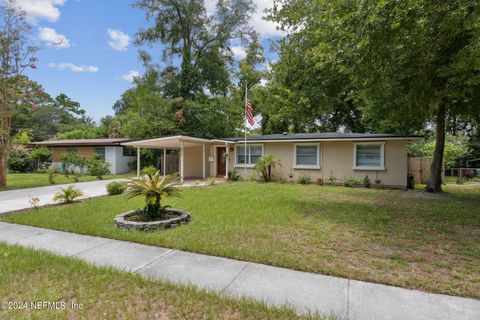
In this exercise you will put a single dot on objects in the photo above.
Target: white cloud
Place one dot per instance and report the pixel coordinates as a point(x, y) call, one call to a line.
point(265, 28)
point(73, 67)
point(41, 9)
point(52, 38)
point(118, 40)
point(131, 75)
point(239, 52)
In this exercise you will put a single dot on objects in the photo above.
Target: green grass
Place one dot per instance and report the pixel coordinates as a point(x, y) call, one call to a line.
point(408, 239)
point(453, 180)
point(27, 275)
point(32, 180)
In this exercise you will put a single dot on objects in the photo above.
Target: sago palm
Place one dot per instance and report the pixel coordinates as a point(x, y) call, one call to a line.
point(265, 165)
point(153, 188)
point(67, 195)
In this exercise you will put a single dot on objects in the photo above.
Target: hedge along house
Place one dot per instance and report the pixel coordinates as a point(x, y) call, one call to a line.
point(110, 150)
point(318, 155)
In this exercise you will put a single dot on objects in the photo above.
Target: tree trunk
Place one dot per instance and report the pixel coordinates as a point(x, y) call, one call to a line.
point(3, 165)
point(435, 180)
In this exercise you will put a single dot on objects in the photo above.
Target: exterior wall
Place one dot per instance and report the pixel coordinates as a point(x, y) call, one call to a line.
point(118, 162)
point(113, 155)
point(192, 162)
point(58, 152)
point(337, 159)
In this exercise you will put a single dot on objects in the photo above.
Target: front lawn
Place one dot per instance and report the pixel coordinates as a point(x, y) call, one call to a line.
point(408, 239)
point(34, 276)
point(33, 180)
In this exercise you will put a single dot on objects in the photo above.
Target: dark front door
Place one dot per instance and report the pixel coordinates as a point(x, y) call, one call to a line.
point(221, 161)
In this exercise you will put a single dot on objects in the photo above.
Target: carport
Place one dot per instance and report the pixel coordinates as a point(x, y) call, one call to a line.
point(194, 153)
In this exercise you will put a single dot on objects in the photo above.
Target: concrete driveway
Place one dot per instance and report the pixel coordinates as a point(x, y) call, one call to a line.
point(13, 200)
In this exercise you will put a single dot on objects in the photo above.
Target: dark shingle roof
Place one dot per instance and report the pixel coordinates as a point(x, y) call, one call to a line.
point(82, 142)
point(321, 136)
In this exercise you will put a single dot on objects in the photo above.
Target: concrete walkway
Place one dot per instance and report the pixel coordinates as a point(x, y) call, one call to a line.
point(305, 292)
point(13, 200)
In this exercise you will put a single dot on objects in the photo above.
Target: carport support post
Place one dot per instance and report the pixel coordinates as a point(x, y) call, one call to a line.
point(227, 160)
point(181, 161)
point(138, 162)
point(203, 161)
point(164, 161)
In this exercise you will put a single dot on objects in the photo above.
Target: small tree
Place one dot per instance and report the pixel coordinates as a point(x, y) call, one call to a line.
point(16, 54)
point(71, 161)
point(265, 164)
point(153, 188)
point(96, 167)
point(19, 159)
point(42, 156)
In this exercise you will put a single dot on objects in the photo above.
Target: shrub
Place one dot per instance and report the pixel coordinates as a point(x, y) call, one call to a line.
point(366, 182)
point(19, 159)
point(149, 171)
point(67, 195)
point(320, 182)
point(153, 188)
point(265, 164)
point(71, 161)
point(332, 179)
point(252, 177)
point(96, 167)
point(303, 179)
point(76, 176)
point(42, 156)
point(52, 173)
point(378, 182)
point(115, 187)
point(211, 181)
point(468, 173)
point(282, 179)
point(233, 175)
point(352, 183)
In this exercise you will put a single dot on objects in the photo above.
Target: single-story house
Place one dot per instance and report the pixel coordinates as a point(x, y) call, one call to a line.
point(111, 151)
point(318, 155)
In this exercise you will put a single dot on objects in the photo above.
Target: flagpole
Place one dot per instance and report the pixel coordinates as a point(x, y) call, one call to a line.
point(245, 141)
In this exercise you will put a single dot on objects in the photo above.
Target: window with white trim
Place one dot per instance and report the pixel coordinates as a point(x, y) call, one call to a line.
point(307, 155)
point(369, 156)
point(254, 152)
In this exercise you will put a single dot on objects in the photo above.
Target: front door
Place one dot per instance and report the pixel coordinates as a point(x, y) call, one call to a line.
point(221, 161)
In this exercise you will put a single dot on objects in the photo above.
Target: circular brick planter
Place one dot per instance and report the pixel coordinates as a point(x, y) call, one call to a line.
point(121, 222)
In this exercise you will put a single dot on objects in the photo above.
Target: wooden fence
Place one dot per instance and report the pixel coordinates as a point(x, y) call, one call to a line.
point(420, 168)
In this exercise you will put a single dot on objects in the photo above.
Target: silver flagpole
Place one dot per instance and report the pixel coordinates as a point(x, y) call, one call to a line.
point(245, 142)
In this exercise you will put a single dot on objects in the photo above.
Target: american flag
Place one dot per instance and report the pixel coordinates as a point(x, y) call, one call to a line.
point(249, 112)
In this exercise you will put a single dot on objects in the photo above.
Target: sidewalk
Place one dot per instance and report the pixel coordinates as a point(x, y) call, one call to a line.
point(305, 292)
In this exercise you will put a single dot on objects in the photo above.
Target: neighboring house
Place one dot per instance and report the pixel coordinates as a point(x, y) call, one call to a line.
point(111, 151)
point(318, 155)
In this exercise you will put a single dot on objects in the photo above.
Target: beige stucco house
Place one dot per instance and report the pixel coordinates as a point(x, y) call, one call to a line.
point(318, 155)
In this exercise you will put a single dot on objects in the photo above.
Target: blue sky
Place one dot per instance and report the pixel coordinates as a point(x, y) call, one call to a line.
point(87, 51)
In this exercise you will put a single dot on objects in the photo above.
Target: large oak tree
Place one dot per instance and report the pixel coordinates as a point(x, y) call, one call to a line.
point(410, 63)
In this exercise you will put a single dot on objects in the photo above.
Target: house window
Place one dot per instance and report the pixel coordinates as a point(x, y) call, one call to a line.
point(129, 152)
point(72, 149)
point(100, 151)
point(307, 156)
point(369, 156)
point(250, 157)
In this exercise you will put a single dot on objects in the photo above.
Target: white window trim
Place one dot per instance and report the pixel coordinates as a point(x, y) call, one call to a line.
point(242, 165)
point(367, 168)
point(304, 166)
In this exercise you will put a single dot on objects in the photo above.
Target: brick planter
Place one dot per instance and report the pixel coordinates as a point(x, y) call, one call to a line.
point(121, 222)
